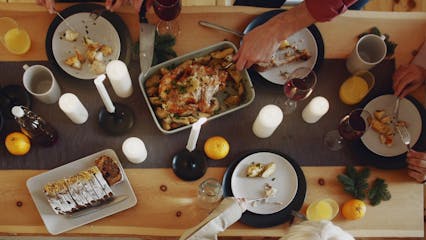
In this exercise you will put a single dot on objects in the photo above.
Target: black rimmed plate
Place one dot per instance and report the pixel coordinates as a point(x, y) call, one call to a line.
point(411, 111)
point(109, 29)
point(307, 38)
point(267, 216)
point(407, 112)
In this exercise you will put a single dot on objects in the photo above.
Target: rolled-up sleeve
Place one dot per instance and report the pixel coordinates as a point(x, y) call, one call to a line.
point(325, 10)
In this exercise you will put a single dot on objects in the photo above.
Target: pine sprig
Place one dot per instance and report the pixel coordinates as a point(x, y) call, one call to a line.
point(378, 192)
point(354, 182)
point(163, 48)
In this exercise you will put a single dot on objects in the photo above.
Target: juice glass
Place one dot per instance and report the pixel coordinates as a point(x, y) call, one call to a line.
point(14, 38)
point(324, 209)
point(356, 87)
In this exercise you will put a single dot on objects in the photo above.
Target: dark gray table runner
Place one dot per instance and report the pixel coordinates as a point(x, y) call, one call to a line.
point(295, 138)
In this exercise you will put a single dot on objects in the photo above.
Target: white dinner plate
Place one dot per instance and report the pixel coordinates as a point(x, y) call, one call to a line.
point(302, 39)
point(407, 112)
point(57, 224)
point(101, 31)
point(284, 179)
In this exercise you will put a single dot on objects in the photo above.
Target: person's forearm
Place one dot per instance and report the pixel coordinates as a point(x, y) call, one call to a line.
point(291, 21)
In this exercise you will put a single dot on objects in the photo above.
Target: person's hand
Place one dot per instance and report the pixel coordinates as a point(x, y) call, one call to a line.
point(258, 45)
point(112, 6)
point(417, 165)
point(407, 78)
point(49, 4)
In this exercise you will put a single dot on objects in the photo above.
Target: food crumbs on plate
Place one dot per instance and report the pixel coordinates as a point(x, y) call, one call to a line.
point(321, 181)
point(163, 188)
point(273, 179)
point(178, 213)
point(19, 203)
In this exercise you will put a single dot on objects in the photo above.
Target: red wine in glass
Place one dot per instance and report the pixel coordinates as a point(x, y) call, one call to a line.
point(299, 86)
point(351, 127)
point(167, 11)
point(298, 89)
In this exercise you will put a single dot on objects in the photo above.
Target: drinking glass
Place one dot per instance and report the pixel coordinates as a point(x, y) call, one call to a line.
point(13, 37)
point(299, 86)
point(167, 11)
point(351, 127)
point(209, 192)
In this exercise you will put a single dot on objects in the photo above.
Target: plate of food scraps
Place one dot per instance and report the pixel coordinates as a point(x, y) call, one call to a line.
point(82, 46)
point(382, 138)
point(266, 180)
point(305, 48)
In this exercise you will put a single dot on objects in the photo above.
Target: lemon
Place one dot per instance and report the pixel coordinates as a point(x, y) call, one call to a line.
point(17, 143)
point(325, 209)
point(216, 147)
point(353, 90)
point(17, 41)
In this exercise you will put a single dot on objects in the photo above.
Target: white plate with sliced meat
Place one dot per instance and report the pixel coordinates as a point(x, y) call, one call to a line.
point(80, 202)
point(304, 48)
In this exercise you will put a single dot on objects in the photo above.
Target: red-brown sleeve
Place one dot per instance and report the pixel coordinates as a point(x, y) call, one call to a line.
point(325, 10)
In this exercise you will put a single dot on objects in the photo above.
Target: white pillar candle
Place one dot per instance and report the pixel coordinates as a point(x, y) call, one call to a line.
point(315, 109)
point(193, 136)
point(268, 119)
point(119, 77)
point(73, 108)
point(134, 150)
point(99, 82)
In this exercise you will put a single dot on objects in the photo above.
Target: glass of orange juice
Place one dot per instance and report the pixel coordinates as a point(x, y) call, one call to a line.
point(356, 87)
point(324, 209)
point(13, 37)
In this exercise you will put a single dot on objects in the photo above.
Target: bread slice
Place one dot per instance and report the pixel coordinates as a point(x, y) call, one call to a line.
point(109, 169)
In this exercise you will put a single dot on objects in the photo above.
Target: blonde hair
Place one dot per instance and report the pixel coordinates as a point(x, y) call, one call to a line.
point(316, 230)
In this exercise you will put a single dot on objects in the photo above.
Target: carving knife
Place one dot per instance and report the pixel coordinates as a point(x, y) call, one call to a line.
point(146, 40)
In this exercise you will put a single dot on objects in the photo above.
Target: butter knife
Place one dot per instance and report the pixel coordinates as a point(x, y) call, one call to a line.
point(218, 27)
point(146, 40)
point(395, 113)
point(91, 210)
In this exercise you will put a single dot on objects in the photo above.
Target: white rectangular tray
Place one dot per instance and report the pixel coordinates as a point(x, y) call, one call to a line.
point(57, 224)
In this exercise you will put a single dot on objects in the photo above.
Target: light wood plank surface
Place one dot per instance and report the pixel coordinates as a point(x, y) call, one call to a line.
point(155, 213)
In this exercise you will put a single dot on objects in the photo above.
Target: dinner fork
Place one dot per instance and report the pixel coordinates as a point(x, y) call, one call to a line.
point(63, 19)
point(405, 136)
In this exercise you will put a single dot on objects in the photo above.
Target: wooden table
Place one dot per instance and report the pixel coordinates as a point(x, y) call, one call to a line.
point(155, 213)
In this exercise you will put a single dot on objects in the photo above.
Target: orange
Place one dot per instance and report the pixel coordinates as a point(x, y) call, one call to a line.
point(17, 143)
point(354, 209)
point(216, 147)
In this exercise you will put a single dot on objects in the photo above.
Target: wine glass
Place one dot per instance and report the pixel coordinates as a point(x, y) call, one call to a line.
point(299, 86)
point(351, 127)
point(167, 11)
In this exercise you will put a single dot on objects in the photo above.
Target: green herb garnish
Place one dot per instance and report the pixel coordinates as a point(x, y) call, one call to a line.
point(378, 192)
point(355, 183)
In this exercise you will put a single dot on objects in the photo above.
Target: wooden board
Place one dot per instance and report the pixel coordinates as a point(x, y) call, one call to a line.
point(156, 211)
point(406, 29)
